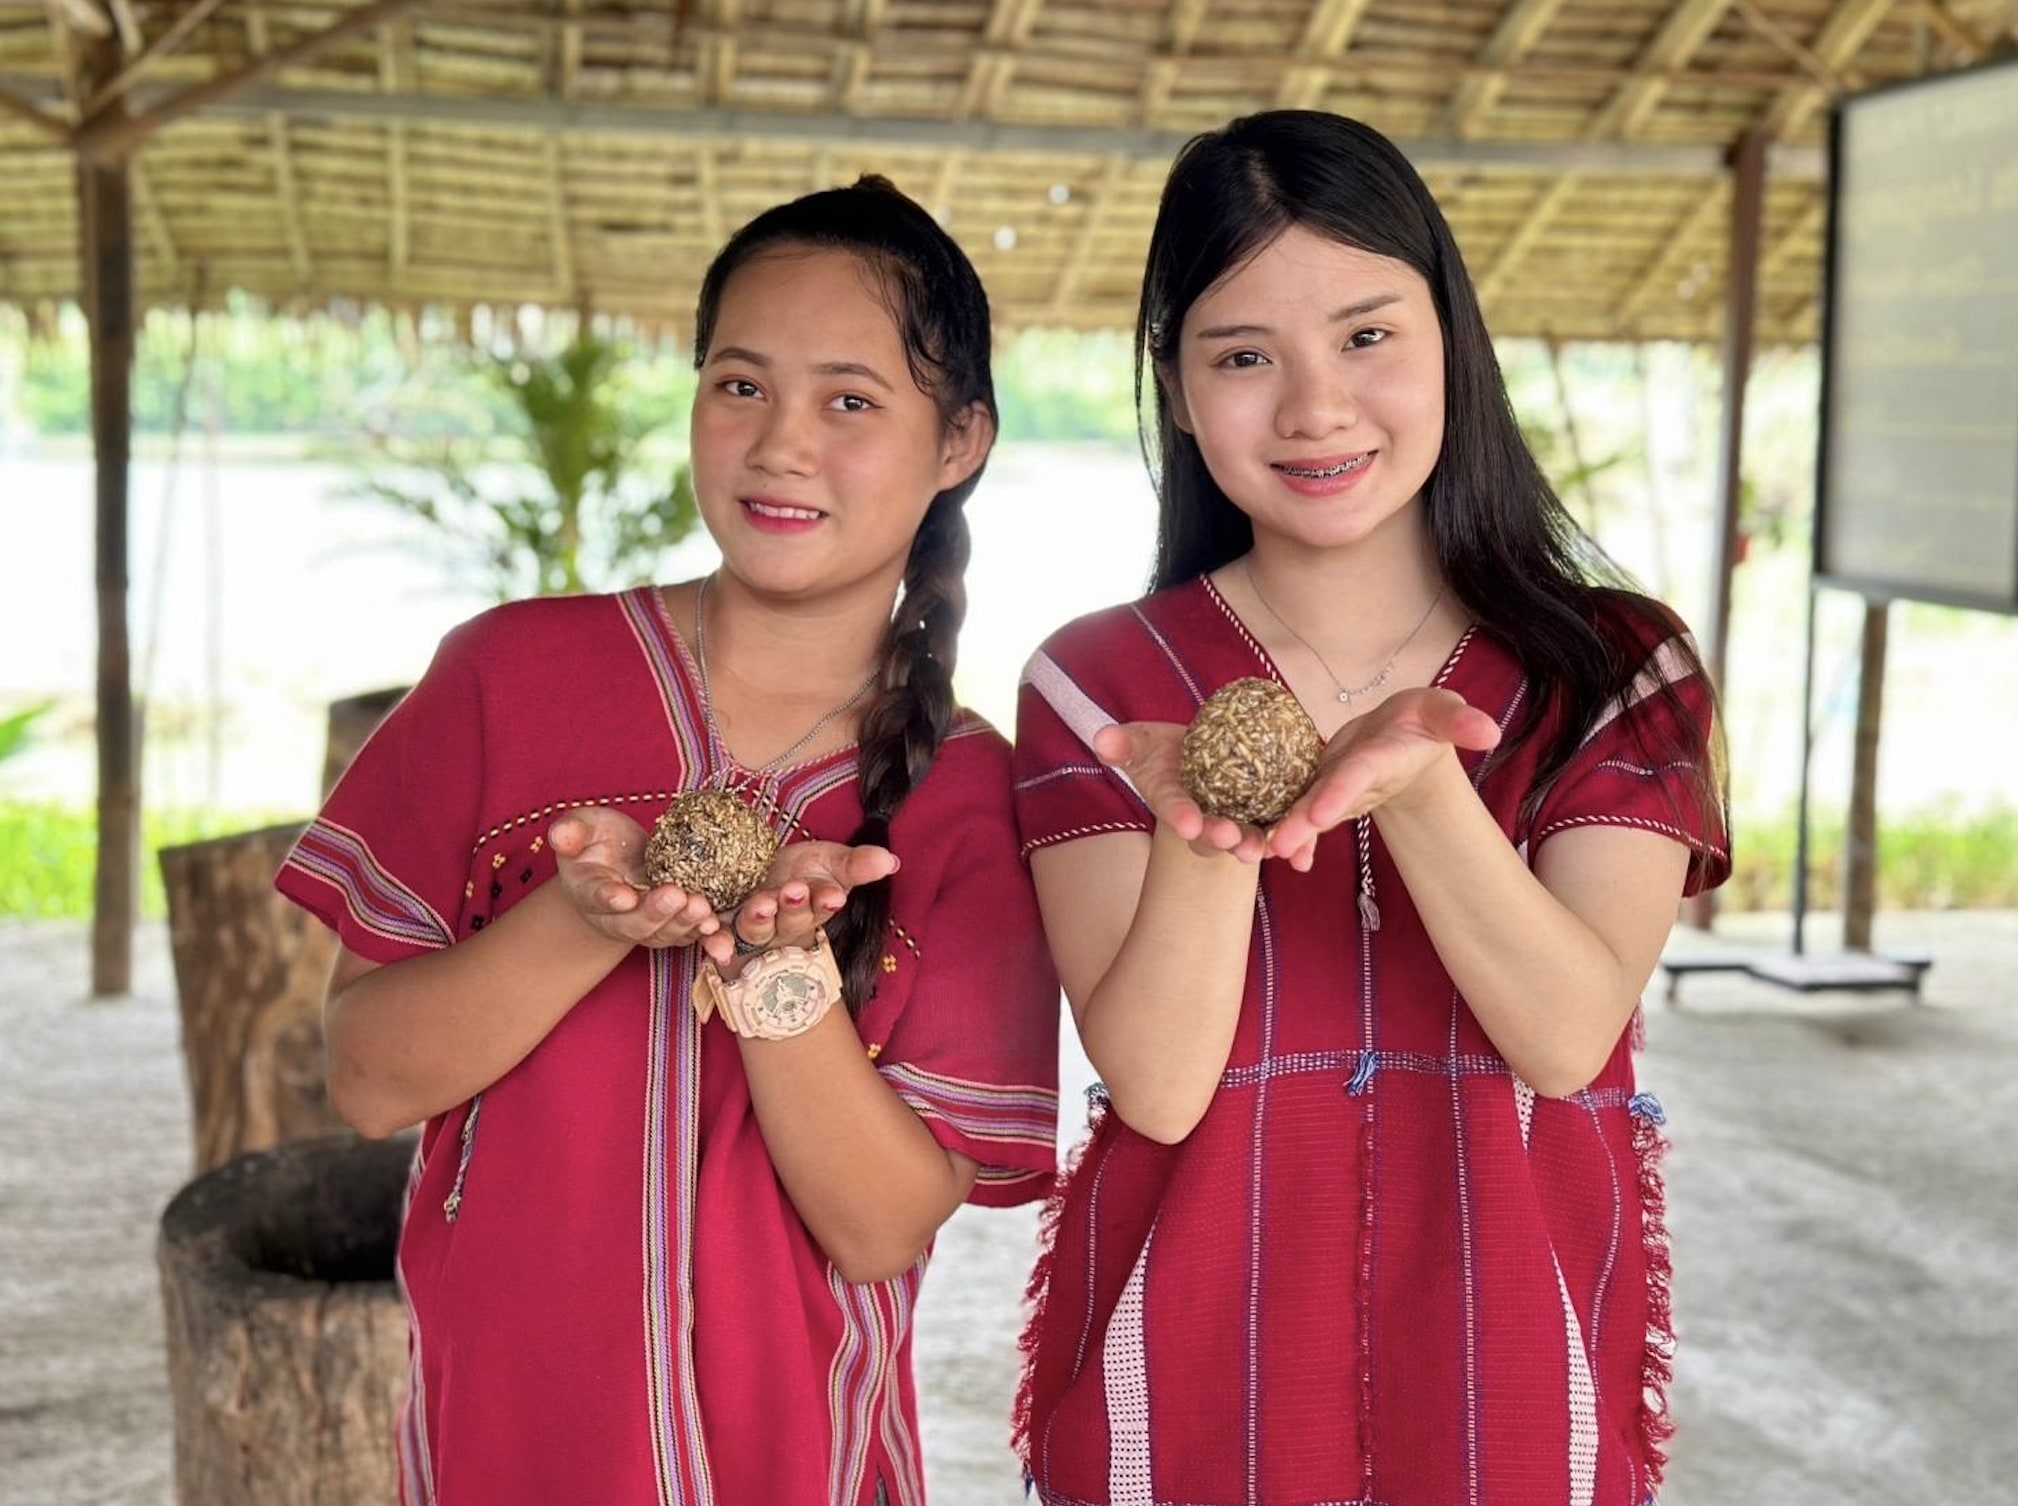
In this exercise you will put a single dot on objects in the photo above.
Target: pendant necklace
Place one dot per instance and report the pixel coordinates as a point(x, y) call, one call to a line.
point(1346, 694)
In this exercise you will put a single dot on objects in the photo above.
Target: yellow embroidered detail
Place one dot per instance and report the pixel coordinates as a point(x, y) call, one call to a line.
point(497, 860)
point(889, 963)
point(875, 1051)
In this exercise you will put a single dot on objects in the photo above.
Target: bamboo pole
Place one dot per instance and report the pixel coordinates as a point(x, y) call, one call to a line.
point(113, 133)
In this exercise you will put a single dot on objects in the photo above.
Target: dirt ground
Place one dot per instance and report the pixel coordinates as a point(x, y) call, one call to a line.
point(1840, 1189)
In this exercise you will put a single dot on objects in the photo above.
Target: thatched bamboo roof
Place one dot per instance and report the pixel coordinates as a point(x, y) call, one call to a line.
point(593, 153)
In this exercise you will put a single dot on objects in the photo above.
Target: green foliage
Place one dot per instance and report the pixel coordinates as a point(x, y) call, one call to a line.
point(17, 728)
point(1938, 858)
point(554, 498)
point(1061, 385)
point(49, 854)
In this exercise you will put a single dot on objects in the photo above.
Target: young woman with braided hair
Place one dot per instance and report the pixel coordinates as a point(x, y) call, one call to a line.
point(669, 1211)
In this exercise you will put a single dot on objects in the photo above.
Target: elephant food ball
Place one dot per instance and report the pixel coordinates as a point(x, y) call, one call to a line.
point(709, 842)
point(1249, 752)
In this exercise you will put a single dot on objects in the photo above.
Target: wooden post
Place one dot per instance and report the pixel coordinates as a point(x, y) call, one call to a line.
point(105, 203)
point(1860, 844)
point(1741, 301)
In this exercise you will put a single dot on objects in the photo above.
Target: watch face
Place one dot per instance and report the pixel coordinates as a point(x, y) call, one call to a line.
point(791, 1001)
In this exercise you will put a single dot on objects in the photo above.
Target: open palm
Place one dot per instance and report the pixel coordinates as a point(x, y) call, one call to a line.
point(1375, 758)
point(600, 857)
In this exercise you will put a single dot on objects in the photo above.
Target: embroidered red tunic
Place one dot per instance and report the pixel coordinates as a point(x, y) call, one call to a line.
point(1381, 1271)
point(611, 1297)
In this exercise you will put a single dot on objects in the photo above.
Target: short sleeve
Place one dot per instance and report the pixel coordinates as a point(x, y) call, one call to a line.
point(1648, 763)
point(974, 1051)
point(385, 862)
point(1063, 790)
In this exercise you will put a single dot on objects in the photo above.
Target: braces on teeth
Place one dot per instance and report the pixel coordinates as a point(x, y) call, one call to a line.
point(1328, 472)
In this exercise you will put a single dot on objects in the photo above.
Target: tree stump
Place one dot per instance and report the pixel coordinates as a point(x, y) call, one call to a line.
point(251, 971)
point(351, 721)
point(287, 1339)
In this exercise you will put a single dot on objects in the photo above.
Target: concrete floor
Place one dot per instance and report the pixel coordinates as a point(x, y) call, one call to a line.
point(1841, 1197)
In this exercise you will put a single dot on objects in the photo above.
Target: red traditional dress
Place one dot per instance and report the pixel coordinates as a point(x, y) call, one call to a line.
point(1381, 1271)
point(612, 1299)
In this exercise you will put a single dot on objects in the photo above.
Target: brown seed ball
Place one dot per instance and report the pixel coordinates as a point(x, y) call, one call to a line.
point(709, 842)
point(1249, 752)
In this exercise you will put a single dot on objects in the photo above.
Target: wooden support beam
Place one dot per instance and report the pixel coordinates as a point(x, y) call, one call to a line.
point(851, 75)
point(1010, 22)
point(1860, 837)
point(647, 122)
point(1079, 256)
point(1158, 79)
point(399, 234)
point(105, 203)
point(940, 201)
point(156, 222)
point(64, 50)
point(1544, 209)
point(1849, 26)
point(1677, 247)
point(1519, 29)
point(1327, 33)
point(1811, 222)
point(139, 67)
point(289, 193)
point(707, 183)
point(1790, 46)
point(1687, 27)
point(130, 36)
point(1965, 43)
point(1741, 305)
point(564, 76)
point(1181, 25)
point(83, 16)
point(558, 230)
point(16, 108)
point(112, 135)
point(396, 74)
point(719, 52)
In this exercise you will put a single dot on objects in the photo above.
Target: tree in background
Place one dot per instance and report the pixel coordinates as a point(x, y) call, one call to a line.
point(552, 491)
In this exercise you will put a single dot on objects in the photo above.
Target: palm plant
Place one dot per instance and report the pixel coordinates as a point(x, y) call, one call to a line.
point(571, 505)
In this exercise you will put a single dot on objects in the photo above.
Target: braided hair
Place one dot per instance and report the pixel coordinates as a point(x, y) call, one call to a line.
point(935, 297)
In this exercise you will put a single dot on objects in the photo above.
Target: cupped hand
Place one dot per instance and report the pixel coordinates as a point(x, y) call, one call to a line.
point(1151, 756)
point(808, 884)
point(1377, 759)
point(600, 854)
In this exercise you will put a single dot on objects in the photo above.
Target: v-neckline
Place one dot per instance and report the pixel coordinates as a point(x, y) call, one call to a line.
point(1247, 635)
point(720, 761)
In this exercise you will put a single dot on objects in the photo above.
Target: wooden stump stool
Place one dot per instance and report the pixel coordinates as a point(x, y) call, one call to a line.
point(286, 1335)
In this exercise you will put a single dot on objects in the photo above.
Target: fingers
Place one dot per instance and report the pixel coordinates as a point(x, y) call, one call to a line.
point(1118, 743)
point(1450, 717)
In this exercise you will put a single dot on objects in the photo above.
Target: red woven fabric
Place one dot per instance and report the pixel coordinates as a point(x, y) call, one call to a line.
point(625, 1306)
point(1380, 1270)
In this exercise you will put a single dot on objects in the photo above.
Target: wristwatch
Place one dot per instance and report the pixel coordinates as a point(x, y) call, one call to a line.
point(781, 993)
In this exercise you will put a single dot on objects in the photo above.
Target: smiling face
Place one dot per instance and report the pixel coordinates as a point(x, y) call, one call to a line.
point(1312, 377)
point(815, 454)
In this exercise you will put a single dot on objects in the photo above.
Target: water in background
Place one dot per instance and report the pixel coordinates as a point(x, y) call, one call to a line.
point(276, 595)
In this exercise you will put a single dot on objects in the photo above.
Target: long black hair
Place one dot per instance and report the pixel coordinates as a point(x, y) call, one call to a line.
point(1510, 551)
point(941, 311)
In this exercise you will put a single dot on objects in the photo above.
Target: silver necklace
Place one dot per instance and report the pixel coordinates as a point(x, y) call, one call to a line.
point(1346, 695)
point(784, 759)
